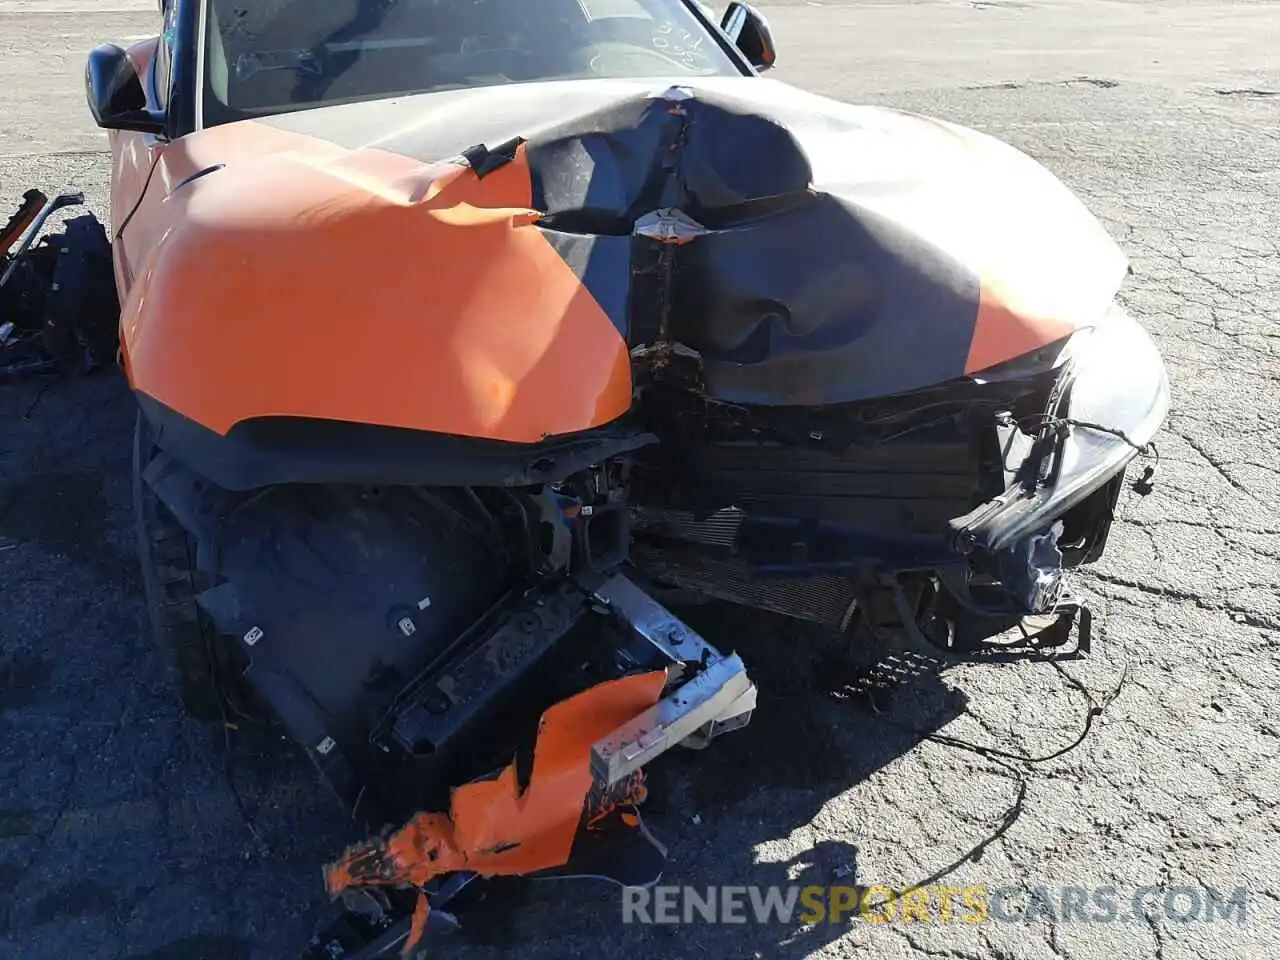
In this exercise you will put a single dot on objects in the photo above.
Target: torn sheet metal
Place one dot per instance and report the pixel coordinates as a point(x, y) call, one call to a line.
point(496, 826)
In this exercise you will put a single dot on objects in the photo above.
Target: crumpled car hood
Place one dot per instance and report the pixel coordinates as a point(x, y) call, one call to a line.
point(810, 251)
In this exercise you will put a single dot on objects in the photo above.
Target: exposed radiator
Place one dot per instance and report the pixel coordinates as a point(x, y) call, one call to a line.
point(716, 530)
point(910, 486)
point(822, 599)
point(913, 485)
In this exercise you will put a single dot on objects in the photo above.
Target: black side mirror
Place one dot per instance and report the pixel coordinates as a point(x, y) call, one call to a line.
point(750, 33)
point(115, 94)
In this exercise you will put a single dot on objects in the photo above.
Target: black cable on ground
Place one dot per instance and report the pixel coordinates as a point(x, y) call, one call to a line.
point(1005, 759)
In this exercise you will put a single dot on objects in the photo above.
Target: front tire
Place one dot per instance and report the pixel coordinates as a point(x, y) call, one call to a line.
point(166, 554)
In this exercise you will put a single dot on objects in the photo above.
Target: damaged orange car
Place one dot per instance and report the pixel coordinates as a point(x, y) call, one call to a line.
point(463, 333)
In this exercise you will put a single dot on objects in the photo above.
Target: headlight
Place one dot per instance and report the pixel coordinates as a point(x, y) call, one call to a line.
point(1117, 397)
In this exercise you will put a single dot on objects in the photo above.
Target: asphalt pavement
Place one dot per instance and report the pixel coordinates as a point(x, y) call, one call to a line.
point(121, 839)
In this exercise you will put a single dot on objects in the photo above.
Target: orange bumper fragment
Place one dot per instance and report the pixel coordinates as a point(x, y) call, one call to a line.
point(495, 829)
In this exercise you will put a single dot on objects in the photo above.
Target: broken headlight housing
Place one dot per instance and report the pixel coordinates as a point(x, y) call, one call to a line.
point(1111, 397)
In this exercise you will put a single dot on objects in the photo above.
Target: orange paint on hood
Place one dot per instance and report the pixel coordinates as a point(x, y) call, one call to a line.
point(1044, 264)
point(1001, 332)
point(307, 280)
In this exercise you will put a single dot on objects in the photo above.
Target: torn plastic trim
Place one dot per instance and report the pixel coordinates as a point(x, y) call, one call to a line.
point(555, 821)
point(1031, 570)
point(497, 826)
point(1119, 398)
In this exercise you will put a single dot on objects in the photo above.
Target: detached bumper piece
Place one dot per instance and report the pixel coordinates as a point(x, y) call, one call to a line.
point(58, 306)
point(573, 811)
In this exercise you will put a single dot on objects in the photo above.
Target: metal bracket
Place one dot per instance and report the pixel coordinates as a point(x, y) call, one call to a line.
point(720, 697)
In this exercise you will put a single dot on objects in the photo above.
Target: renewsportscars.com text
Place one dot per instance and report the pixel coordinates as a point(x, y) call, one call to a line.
point(811, 905)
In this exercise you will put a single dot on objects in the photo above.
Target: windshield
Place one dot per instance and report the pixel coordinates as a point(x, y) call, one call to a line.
point(271, 56)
